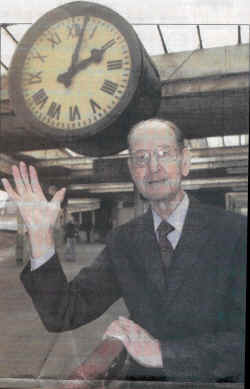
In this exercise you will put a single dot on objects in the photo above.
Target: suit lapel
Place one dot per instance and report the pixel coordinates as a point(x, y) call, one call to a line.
point(193, 239)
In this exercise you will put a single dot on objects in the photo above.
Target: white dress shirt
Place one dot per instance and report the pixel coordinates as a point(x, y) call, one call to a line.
point(176, 219)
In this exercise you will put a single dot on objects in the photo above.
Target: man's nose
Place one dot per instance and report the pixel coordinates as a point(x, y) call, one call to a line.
point(153, 163)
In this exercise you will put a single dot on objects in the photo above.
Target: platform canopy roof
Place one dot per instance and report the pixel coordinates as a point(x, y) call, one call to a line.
point(164, 26)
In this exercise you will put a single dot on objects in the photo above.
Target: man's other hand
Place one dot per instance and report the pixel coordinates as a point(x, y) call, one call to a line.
point(139, 343)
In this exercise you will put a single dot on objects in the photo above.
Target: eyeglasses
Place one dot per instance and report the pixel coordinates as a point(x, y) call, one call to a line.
point(141, 158)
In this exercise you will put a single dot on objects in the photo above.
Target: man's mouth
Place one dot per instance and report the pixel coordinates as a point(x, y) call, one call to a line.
point(159, 181)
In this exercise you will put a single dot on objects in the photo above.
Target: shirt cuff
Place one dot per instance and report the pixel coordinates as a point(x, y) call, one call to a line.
point(35, 263)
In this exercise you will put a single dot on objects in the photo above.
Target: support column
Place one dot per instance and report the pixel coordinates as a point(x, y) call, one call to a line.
point(92, 232)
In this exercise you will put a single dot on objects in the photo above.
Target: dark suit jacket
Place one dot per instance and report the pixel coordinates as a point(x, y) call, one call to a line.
point(197, 312)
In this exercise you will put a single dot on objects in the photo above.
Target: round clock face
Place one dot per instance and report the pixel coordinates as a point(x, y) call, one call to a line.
point(76, 72)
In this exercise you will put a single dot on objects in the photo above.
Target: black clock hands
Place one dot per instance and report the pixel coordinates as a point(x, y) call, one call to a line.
point(66, 78)
point(95, 57)
point(75, 55)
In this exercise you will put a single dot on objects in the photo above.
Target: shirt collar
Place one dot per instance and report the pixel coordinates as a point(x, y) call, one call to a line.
point(177, 217)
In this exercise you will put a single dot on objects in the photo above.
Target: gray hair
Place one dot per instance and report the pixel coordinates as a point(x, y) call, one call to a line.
point(180, 140)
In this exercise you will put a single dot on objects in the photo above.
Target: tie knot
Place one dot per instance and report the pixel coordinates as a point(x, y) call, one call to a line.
point(164, 229)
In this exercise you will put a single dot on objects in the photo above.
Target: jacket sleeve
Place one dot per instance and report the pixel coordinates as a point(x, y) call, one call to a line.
point(64, 305)
point(217, 356)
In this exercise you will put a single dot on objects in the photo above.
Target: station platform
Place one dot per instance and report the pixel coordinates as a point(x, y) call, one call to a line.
point(27, 350)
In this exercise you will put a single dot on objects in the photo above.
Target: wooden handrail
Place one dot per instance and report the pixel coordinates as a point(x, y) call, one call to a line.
point(104, 359)
point(105, 362)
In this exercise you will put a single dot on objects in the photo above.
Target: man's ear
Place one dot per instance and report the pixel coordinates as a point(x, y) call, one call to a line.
point(186, 161)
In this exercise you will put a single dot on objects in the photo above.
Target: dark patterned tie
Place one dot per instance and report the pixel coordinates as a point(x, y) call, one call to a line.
point(166, 248)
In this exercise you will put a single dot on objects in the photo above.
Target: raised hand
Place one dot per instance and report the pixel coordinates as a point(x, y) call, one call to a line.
point(38, 213)
point(138, 342)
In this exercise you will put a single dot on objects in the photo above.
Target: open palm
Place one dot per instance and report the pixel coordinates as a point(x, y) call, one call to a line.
point(36, 210)
point(38, 213)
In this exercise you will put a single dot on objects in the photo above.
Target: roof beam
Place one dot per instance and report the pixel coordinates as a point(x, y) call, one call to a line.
point(206, 92)
point(83, 204)
point(196, 64)
point(203, 162)
point(72, 163)
point(88, 163)
point(188, 184)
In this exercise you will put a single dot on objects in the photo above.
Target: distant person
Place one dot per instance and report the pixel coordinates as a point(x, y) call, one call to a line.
point(180, 268)
point(87, 226)
point(70, 238)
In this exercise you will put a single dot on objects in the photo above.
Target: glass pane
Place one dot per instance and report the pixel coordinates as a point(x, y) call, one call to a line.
point(8, 47)
point(231, 140)
point(150, 38)
point(244, 139)
point(180, 37)
point(219, 35)
point(245, 34)
point(215, 141)
point(18, 30)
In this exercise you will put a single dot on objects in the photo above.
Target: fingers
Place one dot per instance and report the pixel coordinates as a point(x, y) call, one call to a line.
point(130, 326)
point(35, 184)
point(59, 196)
point(26, 181)
point(25, 176)
point(20, 187)
point(23, 180)
point(116, 331)
point(12, 194)
point(125, 330)
point(138, 342)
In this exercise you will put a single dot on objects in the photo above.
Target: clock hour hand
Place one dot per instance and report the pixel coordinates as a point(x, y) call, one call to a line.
point(75, 55)
point(95, 57)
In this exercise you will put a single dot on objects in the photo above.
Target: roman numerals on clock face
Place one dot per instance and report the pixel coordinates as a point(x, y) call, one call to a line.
point(95, 83)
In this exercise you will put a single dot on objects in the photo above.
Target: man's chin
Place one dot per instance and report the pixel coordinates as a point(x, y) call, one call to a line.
point(160, 195)
point(156, 196)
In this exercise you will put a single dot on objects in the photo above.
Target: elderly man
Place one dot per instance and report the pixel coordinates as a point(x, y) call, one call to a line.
point(180, 268)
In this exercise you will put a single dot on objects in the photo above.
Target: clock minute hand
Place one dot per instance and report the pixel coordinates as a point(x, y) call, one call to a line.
point(75, 55)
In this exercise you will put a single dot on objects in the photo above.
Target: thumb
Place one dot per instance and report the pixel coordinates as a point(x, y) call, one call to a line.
point(59, 196)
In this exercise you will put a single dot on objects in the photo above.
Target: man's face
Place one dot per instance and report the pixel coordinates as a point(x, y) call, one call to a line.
point(160, 177)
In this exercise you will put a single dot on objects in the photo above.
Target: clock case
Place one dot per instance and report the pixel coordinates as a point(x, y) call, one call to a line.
point(140, 101)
